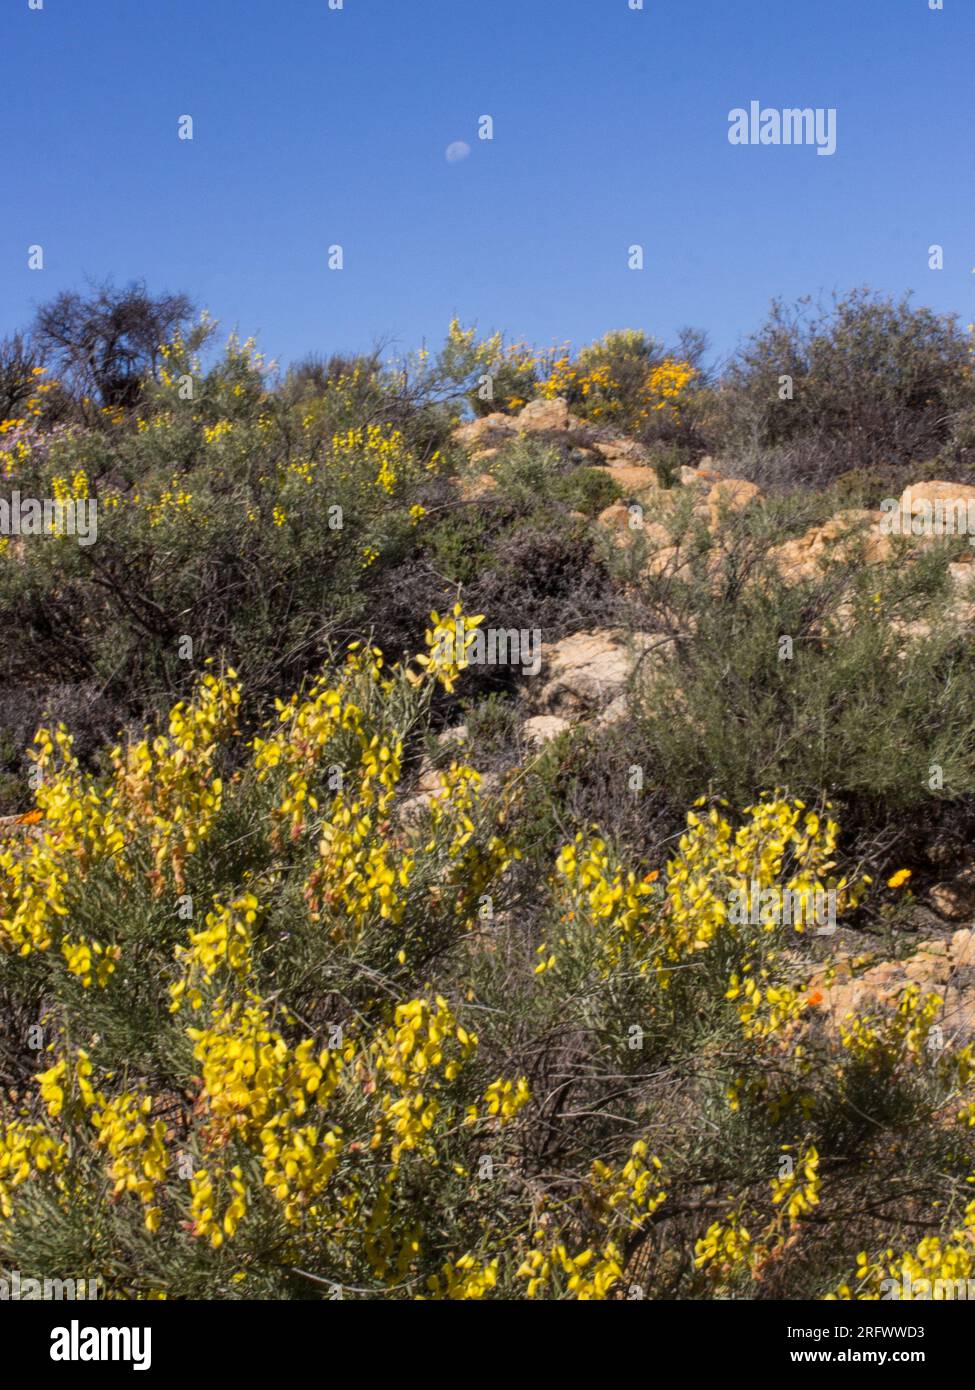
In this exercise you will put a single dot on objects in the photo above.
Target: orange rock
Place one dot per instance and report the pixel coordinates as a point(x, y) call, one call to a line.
point(730, 495)
point(633, 479)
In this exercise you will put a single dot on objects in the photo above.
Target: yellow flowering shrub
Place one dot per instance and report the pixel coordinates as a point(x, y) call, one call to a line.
point(297, 1037)
point(264, 1124)
point(622, 379)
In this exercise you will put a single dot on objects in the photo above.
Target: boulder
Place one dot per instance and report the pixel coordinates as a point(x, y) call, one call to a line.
point(635, 480)
point(587, 671)
point(705, 475)
point(852, 532)
point(622, 451)
point(549, 417)
point(543, 416)
point(730, 495)
point(955, 898)
point(487, 432)
point(690, 477)
point(943, 967)
point(956, 499)
point(616, 517)
point(542, 728)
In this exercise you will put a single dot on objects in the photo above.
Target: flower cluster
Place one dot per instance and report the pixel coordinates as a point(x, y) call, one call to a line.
point(383, 452)
point(170, 784)
point(939, 1267)
point(587, 1276)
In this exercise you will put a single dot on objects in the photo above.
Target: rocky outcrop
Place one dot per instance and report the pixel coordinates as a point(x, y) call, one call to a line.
point(552, 420)
point(924, 514)
point(487, 432)
point(636, 482)
point(730, 495)
point(925, 499)
point(946, 968)
point(583, 674)
point(621, 451)
point(704, 475)
point(541, 417)
point(954, 899)
point(624, 523)
point(854, 532)
point(542, 728)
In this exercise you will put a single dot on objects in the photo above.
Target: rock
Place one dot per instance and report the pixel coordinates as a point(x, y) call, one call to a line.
point(588, 670)
point(851, 533)
point(957, 503)
point(488, 432)
point(616, 517)
point(428, 779)
point(847, 523)
point(669, 559)
point(704, 475)
point(943, 967)
point(541, 728)
point(546, 415)
point(614, 712)
point(622, 451)
point(625, 524)
point(655, 533)
point(581, 456)
point(586, 443)
point(635, 481)
point(730, 495)
point(675, 560)
point(453, 737)
point(690, 477)
point(412, 811)
point(962, 576)
point(955, 899)
point(29, 823)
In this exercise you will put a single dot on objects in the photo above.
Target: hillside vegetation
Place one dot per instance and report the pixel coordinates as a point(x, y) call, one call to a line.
point(496, 823)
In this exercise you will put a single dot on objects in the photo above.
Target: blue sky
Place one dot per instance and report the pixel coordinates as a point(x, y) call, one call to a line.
point(315, 126)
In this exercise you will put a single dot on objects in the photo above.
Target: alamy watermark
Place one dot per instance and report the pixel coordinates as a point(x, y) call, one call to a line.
point(493, 646)
point(49, 516)
point(766, 907)
point(77, 1343)
point(920, 516)
point(18, 1289)
point(793, 125)
point(907, 1289)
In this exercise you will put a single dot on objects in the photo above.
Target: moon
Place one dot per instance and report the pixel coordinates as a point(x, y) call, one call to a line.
point(457, 150)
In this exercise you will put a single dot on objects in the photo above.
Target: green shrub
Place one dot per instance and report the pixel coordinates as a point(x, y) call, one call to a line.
point(875, 383)
point(855, 685)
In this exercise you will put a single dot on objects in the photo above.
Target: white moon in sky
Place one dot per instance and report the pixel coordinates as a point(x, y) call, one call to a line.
point(457, 151)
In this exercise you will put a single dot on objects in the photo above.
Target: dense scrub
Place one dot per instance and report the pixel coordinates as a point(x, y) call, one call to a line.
point(275, 1039)
point(302, 998)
